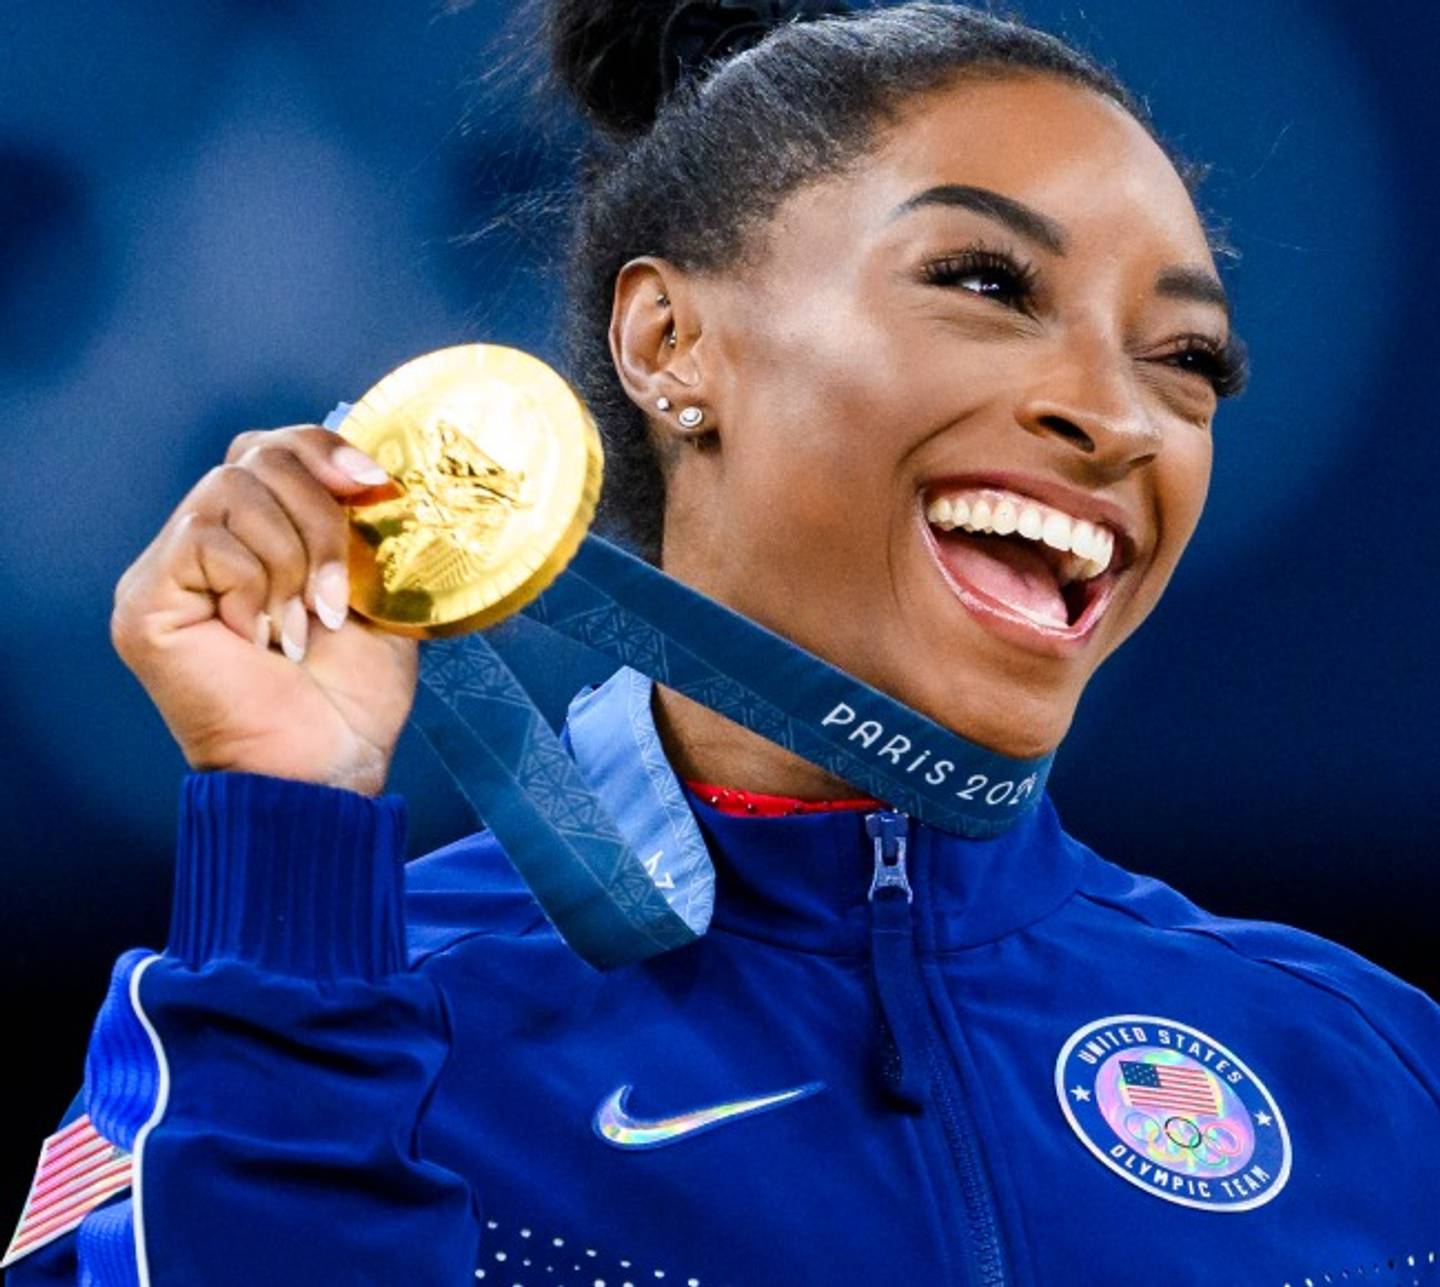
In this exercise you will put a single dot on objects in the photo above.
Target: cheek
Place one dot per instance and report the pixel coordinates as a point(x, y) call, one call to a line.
point(1179, 484)
point(821, 357)
point(817, 436)
point(1183, 487)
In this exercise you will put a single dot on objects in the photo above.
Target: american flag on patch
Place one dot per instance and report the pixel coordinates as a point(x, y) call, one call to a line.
point(1179, 1088)
point(78, 1169)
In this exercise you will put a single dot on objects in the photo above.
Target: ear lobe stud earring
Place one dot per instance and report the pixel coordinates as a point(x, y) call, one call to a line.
point(691, 417)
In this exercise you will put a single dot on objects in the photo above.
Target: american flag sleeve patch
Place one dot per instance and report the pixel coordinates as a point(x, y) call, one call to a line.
point(78, 1170)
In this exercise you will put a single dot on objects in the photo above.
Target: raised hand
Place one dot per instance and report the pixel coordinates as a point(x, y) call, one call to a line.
point(234, 618)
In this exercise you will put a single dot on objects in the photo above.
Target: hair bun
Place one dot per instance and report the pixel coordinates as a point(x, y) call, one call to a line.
point(620, 61)
point(606, 54)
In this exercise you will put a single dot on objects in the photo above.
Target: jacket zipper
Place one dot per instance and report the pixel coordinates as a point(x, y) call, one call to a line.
point(917, 1068)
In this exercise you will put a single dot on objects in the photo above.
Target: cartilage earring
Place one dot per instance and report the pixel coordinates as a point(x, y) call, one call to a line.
point(670, 339)
point(691, 417)
point(663, 299)
point(663, 404)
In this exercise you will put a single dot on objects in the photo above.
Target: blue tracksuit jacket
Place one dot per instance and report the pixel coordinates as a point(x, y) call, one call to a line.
point(1013, 1064)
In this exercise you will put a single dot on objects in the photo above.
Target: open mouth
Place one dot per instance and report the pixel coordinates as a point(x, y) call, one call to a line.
point(1012, 558)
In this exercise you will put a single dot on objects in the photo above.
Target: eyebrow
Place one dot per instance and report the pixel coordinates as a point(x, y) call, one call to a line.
point(1177, 282)
point(1015, 215)
point(1193, 284)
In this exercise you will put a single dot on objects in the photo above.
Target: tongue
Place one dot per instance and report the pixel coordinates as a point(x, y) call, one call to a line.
point(1011, 570)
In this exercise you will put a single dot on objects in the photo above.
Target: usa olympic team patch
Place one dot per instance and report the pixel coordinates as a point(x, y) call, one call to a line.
point(1174, 1112)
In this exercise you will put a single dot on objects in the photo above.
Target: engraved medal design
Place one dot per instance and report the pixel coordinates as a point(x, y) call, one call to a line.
point(459, 499)
point(499, 466)
point(1174, 1112)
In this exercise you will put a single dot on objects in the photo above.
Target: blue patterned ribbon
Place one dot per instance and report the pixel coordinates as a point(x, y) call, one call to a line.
point(516, 775)
point(634, 613)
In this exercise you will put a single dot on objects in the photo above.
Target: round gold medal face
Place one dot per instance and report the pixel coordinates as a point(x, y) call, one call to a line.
point(500, 468)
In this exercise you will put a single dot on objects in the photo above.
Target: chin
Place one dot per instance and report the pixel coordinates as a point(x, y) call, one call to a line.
point(1026, 729)
point(1022, 717)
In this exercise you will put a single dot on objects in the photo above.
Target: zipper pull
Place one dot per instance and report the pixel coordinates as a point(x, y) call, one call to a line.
point(887, 830)
point(893, 963)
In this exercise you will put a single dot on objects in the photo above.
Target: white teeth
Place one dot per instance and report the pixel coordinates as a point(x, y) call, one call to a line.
point(1106, 549)
point(1056, 532)
point(1090, 546)
point(1098, 559)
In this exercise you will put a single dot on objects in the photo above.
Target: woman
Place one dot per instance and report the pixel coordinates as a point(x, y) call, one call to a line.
point(906, 340)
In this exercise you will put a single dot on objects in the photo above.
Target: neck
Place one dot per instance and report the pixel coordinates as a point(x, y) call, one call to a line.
point(705, 747)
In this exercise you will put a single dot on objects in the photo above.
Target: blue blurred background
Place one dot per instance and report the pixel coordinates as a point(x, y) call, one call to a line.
point(228, 215)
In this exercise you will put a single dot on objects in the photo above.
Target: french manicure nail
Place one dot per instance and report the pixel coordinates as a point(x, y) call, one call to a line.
point(294, 629)
point(354, 463)
point(262, 631)
point(332, 595)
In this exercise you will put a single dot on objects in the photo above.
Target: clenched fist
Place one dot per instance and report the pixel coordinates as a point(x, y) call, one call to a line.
point(235, 618)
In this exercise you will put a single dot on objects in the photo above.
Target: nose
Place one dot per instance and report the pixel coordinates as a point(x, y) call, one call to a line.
point(1088, 401)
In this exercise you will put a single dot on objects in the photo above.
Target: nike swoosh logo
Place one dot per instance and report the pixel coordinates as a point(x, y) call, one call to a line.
point(615, 1126)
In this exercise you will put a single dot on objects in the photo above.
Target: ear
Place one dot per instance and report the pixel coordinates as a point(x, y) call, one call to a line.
point(655, 336)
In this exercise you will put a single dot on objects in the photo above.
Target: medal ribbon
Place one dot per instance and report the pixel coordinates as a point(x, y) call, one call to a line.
point(518, 777)
point(636, 614)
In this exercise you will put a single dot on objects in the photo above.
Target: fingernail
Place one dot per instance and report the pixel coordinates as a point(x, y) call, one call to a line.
point(332, 595)
point(294, 628)
point(355, 464)
point(262, 631)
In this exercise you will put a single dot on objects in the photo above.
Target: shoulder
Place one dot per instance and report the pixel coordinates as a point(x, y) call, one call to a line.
point(1273, 958)
point(467, 890)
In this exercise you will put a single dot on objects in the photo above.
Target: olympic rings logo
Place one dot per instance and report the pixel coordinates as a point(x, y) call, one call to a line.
point(1215, 1146)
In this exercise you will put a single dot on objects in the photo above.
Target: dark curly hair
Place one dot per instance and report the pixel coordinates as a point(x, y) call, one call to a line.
point(691, 176)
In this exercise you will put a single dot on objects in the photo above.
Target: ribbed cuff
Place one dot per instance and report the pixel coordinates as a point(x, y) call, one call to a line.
point(294, 878)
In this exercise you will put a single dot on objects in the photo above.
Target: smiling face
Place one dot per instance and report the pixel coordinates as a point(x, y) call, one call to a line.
point(999, 320)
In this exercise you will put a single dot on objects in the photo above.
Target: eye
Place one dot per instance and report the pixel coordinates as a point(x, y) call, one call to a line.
point(993, 274)
point(1222, 365)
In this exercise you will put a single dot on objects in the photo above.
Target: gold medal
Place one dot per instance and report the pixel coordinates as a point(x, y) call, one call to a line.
point(499, 466)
